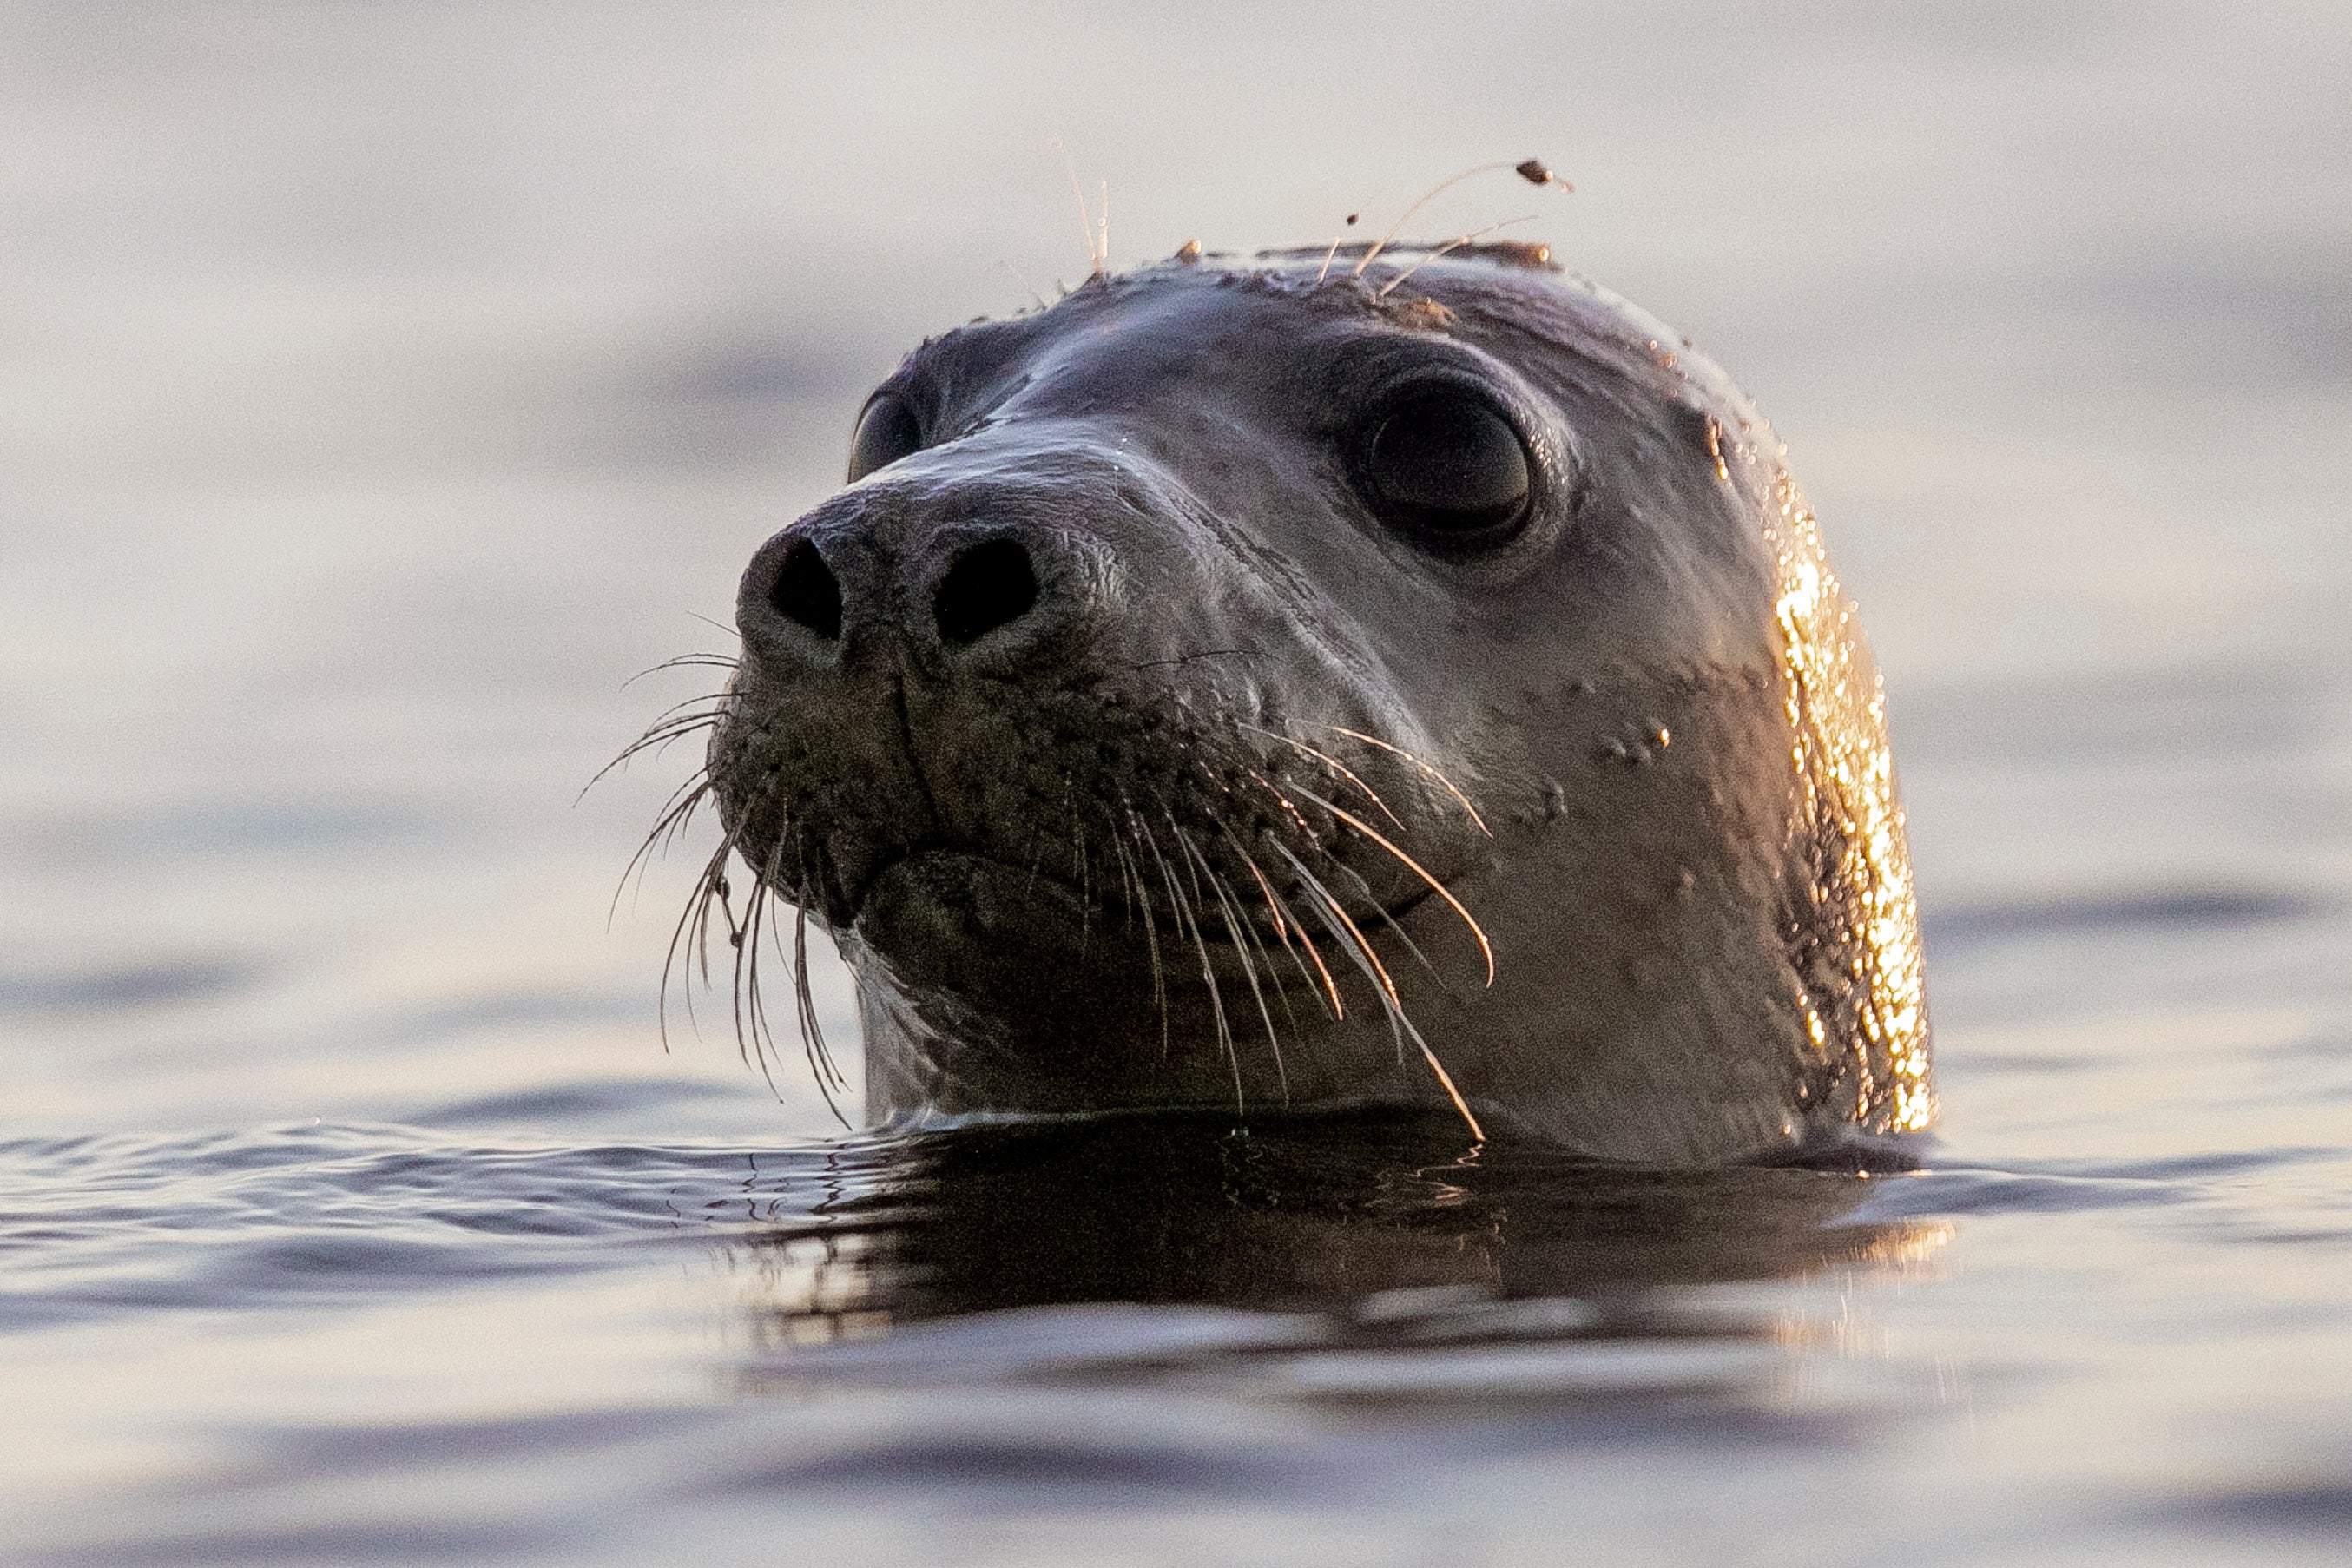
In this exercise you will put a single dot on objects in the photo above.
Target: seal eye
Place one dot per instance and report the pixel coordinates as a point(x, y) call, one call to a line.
point(886, 432)
point(1446, 466)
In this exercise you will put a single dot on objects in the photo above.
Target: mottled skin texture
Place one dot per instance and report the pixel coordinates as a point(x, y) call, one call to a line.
point(1691, 868)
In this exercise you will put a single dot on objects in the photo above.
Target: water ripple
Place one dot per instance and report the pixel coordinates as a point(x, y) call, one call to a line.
point(320, 1212)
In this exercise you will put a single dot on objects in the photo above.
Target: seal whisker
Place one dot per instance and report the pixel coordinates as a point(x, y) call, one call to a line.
point(713, 888)
point(1193, 657)
point(1235, 926)
point(828, 1074)
point(1085, 873)
point(1208, 971)
point(699, 780)
point(1325, 270)
point(1281, 986)
point(692, 933)
point(657, 743)
point(1290, 810)
point(755, 1035)
point(1043, 303)
point(1126, 876)
point(724, 699)
point(748, 996)
point(684, 661)
point(813, 1042)
point(1390, 920)
point(683, 803)
point(1334, 763)
point(1400, 1023)
point(673, 720)
point(663, 731)
point(1151, 932)
point(1434, 776)
point(1410, 864)
point(1036, 854)
point(667, 730)
point(723, 892)
point(697, 911)
point(724, 696)
point(1283, 920)
point(764, 1033)
point(743, 986)
point(1185, 923)
point(1355, 943)
point(1097, 250)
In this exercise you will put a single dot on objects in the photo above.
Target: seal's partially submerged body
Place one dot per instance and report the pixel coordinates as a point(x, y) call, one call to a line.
point(1270, 682)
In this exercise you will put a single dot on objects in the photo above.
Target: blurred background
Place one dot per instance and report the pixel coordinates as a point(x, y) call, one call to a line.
point(381, 386)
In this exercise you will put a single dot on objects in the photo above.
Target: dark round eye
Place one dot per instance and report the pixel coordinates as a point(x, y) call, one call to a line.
point(1445, 465)
point(886, 432)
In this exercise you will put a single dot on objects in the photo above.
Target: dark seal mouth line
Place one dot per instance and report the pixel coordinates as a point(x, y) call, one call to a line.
point(1163, 918)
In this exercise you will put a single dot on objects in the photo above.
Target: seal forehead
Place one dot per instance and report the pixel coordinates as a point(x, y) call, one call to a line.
point(1148, 318)
point(1157, 323)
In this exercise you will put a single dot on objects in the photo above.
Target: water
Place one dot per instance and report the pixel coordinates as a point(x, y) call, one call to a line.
point(384, 386)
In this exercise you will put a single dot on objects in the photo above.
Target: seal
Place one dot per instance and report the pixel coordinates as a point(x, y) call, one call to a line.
point(1257, 681)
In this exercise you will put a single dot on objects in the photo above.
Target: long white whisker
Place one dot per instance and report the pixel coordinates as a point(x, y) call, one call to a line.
point(1436, 777)
point(1235, 923)
point(1388, 920)
point(1410, 864)
point(1208, 969)
point(1334, 763)
point(1282, 921)
point(696, 912)
point(1150, 932)
point(1366, 959)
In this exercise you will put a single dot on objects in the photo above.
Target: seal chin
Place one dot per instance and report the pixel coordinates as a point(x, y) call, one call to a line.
point(1019, 954)
point(940, 901)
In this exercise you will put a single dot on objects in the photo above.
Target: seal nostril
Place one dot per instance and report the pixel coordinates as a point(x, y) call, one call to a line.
point(993, 585)
point(806, 591)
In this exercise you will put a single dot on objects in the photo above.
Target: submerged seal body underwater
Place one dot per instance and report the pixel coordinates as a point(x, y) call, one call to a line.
point(1271, 683)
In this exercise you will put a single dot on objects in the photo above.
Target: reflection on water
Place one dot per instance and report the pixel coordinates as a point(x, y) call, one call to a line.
point(1389, 1240)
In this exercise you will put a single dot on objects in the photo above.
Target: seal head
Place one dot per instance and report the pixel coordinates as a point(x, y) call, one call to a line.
point(1245, 681)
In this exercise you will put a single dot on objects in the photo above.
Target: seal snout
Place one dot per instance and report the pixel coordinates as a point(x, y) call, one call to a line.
point(991, 583)
point(992, 590)
point(907, 649)
point(805, 591)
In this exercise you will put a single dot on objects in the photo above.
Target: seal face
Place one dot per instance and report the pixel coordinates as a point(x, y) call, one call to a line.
point(1245, 681)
